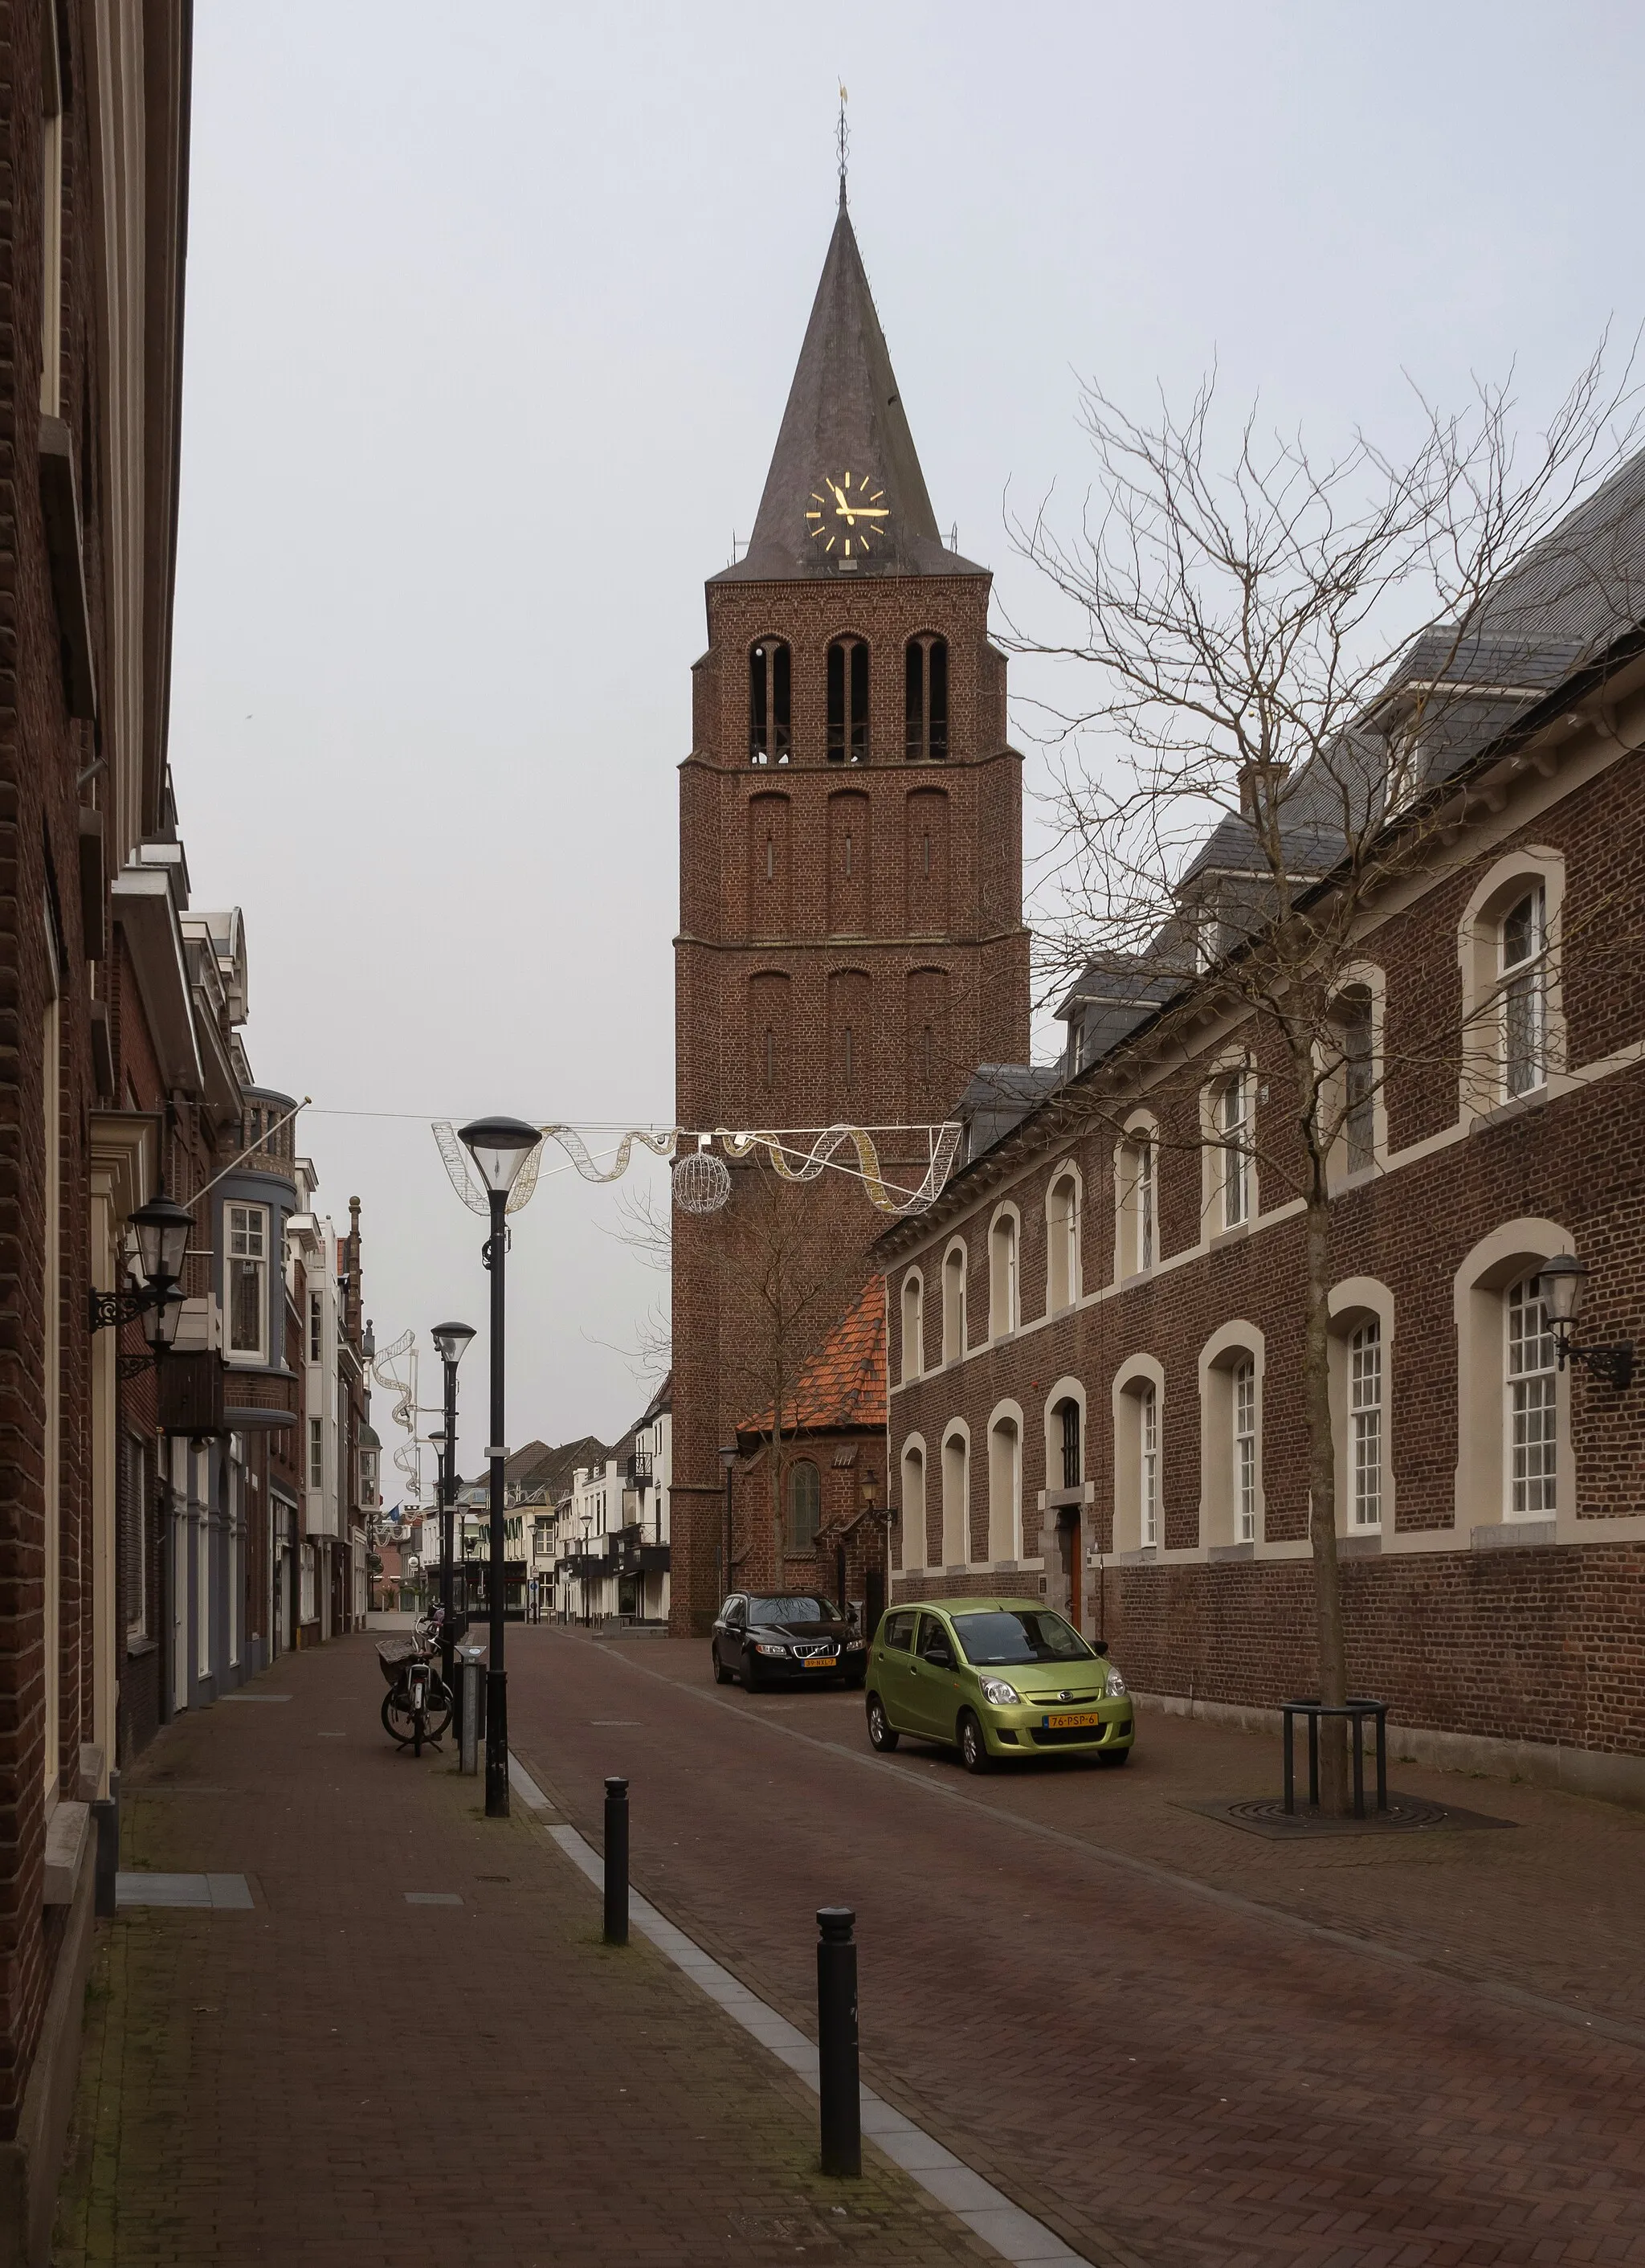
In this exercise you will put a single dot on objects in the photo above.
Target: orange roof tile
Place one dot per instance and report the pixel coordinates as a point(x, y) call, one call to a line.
point(844, 1389)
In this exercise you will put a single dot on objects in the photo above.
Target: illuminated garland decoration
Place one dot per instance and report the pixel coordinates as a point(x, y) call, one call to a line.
point(798, 1154)
point(408, 1455)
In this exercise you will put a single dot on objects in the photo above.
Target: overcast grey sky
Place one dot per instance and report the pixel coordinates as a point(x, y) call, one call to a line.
point(491, 316)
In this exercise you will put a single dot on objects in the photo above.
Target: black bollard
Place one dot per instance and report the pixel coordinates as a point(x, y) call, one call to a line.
point(105, 1865)
point(616, 1862)
point(836, 2042)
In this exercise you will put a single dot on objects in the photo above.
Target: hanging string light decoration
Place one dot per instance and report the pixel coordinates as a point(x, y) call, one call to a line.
point(408, 1455)
point(700, 1181)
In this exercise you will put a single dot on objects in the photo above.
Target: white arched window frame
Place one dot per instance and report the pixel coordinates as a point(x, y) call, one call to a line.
point(1005, 1483)
point(913, 1325)
point(1513, 1008)
point(1061, 1448)
point(1065, 1212)
point(1361, 1353)
point(1137, 1198)
point(956, 1495)
point(913, 1504)
point(1232, 1506)
point(1227, 1106)
point(1354, 1102)
point(1139, 1407)
point(1505, 1388)
point(1005, 1246)
point(956, 1260)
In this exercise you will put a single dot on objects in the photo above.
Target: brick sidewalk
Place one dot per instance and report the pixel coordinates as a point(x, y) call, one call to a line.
point(340, 2077)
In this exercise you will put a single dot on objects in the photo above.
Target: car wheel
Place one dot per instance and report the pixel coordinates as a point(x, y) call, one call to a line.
point(722, 1675)
point(882, 1734)
point(1114, 1758)
point(973, 1749)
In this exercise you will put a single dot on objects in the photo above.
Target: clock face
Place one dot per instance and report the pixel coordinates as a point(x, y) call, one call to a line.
point(846, 514)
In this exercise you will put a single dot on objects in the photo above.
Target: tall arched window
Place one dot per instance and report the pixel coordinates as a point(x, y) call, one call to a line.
point(1067, 1414)
point(1365, 1411)
point(925, 699)
point(1062, 1243)
point(1004, 1301)
point(956, 1501)
point(769, 739)
point(1523, 994)
point(1533, 1427)
point(953, 1303)
point(1005, 1489)
point(804, 1507)
point(847, 702)
point(913, 1551)
point(913, 1325)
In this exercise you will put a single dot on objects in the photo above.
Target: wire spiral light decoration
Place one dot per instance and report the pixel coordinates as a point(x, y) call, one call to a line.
point(701, 1182)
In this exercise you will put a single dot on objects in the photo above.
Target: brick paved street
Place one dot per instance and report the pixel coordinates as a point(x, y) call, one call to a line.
point(338, 2077)
point(1159, 2033)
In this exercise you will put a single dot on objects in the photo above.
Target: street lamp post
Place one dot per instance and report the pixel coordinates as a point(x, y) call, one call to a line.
point(450, 1342)
point(728, 1458)
point(499, 1148)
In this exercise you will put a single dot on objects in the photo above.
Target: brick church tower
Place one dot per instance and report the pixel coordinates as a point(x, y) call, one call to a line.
point(851, 944)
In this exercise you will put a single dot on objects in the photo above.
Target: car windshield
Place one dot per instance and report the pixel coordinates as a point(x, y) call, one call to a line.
point(804, 1609)
point(1008, 1634)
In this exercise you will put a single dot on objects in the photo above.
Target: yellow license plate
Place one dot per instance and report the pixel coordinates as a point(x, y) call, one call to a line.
point(819, 1661)
point(1066, 1724)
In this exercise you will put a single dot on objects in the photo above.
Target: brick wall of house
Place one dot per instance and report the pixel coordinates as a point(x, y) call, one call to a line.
point(1529, 1640)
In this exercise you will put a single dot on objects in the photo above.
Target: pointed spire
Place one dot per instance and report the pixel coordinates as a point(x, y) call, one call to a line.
point(844, 417)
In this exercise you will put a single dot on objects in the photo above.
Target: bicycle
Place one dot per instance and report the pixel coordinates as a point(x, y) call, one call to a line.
point(417, 1707)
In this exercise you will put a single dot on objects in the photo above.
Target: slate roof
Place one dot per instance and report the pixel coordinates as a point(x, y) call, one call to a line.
point(844, 415)
point(843, 1389)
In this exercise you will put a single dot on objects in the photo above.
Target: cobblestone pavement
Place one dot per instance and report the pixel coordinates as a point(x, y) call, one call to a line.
point(1165, 2038)
point(339, 2077)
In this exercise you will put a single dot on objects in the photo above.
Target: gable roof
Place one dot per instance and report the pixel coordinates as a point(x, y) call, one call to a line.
point(842, 1390)
point(844, 415)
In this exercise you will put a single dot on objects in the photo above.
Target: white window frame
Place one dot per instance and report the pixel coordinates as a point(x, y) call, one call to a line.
point(250, 1223)
point(1531, 1453)
point(1005, 1295)
point(956, 1264)
point(1521, 986)
point(317, 1453)
point(1234, 1101)
point(1148, 1465)
point(1243, 1405)
point(1367, 1432)
point(1064, 1211)
point(913, 1325)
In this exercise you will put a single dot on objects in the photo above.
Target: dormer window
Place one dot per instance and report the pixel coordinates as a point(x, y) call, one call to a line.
point(925, 701)
point(769, 740)
point(847, 702)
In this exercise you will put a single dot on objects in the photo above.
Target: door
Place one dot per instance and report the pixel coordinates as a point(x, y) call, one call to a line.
point(933, 1686)
point(893, 1675)
point(733, 1635)
point(1068, 1543)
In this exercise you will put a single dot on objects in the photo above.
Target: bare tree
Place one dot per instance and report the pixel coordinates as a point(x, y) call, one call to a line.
point(1295, 660)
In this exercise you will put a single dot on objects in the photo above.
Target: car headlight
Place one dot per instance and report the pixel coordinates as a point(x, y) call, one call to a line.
point(1115, 1686)
point(761, 1647)
point(1002, 1695)
point(855, 1645)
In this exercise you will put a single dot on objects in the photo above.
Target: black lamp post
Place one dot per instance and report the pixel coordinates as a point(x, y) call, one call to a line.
point(728, 1458)
point(451, 1341)
point(1564, 1281)
point(499, 1148)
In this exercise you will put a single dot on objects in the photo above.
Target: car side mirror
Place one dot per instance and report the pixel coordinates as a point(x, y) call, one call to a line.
point(940, 1658)
point(1100, 1645)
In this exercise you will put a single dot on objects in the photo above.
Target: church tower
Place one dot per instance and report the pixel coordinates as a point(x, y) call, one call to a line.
point(851, 944)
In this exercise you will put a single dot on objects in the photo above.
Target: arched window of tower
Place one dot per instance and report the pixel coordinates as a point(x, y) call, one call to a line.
point(769, 738)
point(925, 698)
point(847, 702)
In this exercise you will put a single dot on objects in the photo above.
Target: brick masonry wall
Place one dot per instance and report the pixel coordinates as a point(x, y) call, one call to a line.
point(1531, 1642)
point(804, 941)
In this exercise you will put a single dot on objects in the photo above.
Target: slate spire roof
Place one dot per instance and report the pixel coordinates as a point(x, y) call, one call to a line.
point(844, 415)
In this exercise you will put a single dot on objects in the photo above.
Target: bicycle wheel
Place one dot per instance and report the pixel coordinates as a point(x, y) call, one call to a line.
point(398, 1720)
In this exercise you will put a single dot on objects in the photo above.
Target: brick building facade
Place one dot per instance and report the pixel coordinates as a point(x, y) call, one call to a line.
point(851, 941)
point(1096, 1355)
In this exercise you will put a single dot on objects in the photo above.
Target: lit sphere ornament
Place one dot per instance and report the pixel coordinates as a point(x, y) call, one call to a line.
point(701, 1183)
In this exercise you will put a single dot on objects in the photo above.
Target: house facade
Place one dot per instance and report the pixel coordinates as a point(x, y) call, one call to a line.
point(1096, 1332)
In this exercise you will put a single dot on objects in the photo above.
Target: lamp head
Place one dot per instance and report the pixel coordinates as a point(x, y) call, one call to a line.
point(159, 1324)
point(163, 1227)
point(1564, 1280)
point(451, 1340)
point(499, 1148)
point(728, 1455)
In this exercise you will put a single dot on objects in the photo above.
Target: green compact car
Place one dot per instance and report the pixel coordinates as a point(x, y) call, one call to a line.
point(995, 1678)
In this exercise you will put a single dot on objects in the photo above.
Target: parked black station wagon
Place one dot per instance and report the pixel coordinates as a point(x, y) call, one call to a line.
point(788, 1638)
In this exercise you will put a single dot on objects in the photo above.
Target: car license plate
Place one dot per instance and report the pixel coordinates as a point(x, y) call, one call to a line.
point(820, 1661)
point(1066, 1724)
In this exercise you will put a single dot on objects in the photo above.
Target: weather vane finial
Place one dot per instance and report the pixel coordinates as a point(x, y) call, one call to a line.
point(842, 140)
